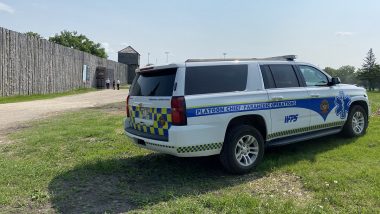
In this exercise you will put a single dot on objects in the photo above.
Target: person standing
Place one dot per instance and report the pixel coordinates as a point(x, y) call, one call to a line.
point(108, 81)
point(118, 84)
point(113, 84)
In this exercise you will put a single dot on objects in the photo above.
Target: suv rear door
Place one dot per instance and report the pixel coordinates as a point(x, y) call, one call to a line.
point(149, 103)
point(209, 89)
point(285, 89)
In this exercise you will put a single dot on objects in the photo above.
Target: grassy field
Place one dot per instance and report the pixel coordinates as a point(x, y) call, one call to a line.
point(23, 98)
point(82, 162)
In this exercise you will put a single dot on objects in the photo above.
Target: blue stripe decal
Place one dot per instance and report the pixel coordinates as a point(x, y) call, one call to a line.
point(322, 106)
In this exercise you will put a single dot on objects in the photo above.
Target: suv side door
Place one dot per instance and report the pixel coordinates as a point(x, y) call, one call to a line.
point(285, 88)
point(322, 96)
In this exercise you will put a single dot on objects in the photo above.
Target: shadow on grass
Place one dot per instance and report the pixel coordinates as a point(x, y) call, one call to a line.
point(121, 185)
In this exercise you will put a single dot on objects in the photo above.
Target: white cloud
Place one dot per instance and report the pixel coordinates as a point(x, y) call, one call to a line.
point(344, 33)
point(6, 8)
point(108, 48)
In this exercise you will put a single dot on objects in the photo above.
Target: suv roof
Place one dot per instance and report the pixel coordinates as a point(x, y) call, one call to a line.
point(287, 59)
point(275, 58)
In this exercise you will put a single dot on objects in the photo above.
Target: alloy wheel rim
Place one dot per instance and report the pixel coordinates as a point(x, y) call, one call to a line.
point(358, 122)
point(246, 150)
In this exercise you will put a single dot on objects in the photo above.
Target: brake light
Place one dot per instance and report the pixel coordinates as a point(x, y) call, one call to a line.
point(178, 105)
point(126, 107)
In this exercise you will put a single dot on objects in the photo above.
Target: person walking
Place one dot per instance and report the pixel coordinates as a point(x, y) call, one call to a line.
point(113, 84)
point(108, 81)
point(118, 84)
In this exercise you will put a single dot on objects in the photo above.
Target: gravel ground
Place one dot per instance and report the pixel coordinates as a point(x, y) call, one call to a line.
point(14, 114)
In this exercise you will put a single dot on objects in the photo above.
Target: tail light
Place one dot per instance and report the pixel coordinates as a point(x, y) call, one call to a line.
point(178, 105)
point(127, 107)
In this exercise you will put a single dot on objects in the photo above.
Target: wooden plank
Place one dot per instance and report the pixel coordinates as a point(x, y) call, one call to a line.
point(20, 64)
point(1, 62)
point(31, 64)
point(20, 57)
point(6, 63)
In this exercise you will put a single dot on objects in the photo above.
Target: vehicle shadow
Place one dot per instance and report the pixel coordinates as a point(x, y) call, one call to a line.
point(121, 185)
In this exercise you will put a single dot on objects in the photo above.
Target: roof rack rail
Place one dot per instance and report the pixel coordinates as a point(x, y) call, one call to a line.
point(275, 58)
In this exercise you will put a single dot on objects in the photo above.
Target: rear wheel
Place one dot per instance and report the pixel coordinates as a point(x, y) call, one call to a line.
point(243, 149)
point(357, 122)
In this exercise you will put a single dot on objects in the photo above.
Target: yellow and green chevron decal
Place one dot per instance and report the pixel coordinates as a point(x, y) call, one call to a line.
point(159, 145)
point(161, 117)
point(304, 130)
point(199, 148)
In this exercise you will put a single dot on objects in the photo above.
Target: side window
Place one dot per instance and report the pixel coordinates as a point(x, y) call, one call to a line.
point(312, 76)
point(284, 76)
point(267, 77)
point(215, 79)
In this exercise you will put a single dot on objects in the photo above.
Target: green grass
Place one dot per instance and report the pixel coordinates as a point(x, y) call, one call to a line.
point(374, 101)
point(23, 98)
point(82, 162)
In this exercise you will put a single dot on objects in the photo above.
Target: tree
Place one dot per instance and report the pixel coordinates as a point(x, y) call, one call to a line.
point(79, 42)
point(377, 76)
point(33, 34)
point(369, 71)
point(331, 71)
point(347, 74)
point(369, 60)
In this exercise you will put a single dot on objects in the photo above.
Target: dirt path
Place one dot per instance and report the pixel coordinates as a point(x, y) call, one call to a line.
point(13, 114)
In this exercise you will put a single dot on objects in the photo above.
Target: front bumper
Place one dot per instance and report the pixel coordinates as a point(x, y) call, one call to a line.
point(183, 141)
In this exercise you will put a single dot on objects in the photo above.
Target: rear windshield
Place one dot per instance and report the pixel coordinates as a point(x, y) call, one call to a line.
point(215, 79)
point(154, 83)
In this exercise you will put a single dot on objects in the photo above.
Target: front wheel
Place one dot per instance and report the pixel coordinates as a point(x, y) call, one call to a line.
point(357, 122)
point(242, 150)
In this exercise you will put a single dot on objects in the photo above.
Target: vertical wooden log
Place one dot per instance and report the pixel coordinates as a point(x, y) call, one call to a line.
point(12, 63)
point(40, 67)
point(28, 63)
point(31, 64)
point(34, 58)
point(53, 63)
point(21, 63)
point(1, 62)
point(7, 63)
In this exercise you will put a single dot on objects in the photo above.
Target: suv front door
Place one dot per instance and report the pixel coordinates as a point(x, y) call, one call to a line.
point(322, 97)
point(285, 90)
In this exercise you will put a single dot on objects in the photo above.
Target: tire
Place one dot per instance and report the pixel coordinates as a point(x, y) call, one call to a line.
point(229, 155)
point(356, 117)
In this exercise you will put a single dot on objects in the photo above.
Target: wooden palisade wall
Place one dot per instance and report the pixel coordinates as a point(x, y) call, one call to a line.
point(29, 65)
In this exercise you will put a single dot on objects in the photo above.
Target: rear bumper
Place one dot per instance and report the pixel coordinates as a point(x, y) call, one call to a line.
point(183, 141)
point(146, 135)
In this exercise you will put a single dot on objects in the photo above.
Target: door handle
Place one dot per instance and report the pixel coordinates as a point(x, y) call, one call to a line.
point(314, 95)
point(276, 98)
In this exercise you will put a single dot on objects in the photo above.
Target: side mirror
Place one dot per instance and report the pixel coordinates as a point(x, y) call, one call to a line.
point(334, 81)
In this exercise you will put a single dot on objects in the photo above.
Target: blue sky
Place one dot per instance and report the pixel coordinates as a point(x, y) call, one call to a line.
point(324, 32)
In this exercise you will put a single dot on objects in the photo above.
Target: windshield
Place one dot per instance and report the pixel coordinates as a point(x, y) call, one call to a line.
point(154, 83)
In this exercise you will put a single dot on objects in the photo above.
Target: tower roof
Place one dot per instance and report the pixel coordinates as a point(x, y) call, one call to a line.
point(129, 49)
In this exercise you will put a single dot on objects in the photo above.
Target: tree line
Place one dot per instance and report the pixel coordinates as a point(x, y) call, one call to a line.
point(367, 76)
point(74, 40)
